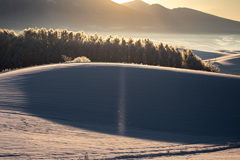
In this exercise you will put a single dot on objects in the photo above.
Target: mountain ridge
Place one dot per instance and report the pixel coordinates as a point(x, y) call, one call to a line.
point(106, 15)
point(178, 8)
point(196, 20)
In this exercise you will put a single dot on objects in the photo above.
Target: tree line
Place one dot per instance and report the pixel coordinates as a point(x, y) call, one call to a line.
point(35, 46)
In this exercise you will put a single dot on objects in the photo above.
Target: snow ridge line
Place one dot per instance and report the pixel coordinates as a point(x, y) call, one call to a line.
point(46, 117)
point(180, 153)
point(10, 155)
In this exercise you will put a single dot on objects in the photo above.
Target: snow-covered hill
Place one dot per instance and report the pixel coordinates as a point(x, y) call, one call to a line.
point(88, 107)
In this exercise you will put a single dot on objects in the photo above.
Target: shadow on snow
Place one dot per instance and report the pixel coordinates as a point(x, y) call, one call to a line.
point(141, 103)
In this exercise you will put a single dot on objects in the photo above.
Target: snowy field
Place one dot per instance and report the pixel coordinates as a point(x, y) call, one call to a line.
point(228, 61)
point(118, 111)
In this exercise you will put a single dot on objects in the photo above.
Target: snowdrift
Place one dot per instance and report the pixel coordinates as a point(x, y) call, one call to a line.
point(125, 99)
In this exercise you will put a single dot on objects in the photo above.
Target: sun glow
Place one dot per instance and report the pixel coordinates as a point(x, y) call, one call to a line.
point(121, 1)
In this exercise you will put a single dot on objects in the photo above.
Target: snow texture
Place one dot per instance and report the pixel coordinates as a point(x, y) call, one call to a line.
point(117, 111)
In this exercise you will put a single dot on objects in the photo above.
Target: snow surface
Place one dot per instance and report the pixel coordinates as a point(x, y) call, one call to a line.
point(206, 55)
point(229, 63)
point(112, 111)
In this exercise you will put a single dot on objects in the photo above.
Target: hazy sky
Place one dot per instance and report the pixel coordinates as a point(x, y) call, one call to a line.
point(223, 8)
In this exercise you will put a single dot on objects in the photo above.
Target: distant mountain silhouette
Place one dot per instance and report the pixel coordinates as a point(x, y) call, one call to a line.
point(68, 13)
point(185, 19)
point(106, 15)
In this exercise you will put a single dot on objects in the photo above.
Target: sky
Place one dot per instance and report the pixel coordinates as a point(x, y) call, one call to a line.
point(223, 8)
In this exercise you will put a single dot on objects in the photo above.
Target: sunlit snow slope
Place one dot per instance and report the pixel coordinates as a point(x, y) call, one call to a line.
point(154, 103)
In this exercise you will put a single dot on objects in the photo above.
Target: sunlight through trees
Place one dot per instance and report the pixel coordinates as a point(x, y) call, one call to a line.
point(41, 46)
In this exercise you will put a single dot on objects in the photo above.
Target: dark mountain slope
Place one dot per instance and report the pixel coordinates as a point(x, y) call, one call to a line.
point(98, 15)
point(70, 13)
point(185, 19)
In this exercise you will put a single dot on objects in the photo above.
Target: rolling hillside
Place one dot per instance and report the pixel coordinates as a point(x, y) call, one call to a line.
point(150, 98)
point(117, 111)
